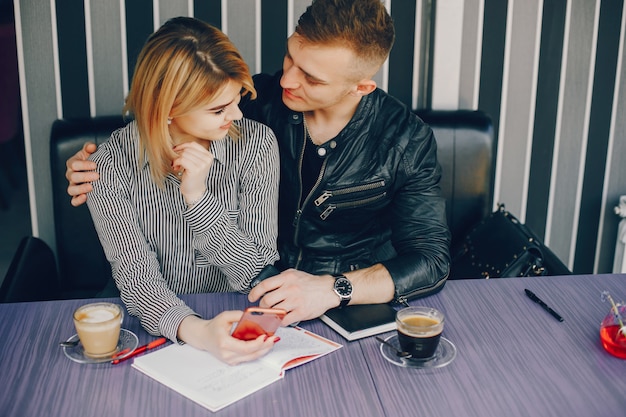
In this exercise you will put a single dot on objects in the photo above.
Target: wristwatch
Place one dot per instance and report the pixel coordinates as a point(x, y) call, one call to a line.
point(343, 288)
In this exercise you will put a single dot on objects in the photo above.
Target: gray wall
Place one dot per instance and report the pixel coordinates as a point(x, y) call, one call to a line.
point(548, 72)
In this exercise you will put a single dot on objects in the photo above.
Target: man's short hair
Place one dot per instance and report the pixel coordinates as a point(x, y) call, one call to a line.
point(364, 26)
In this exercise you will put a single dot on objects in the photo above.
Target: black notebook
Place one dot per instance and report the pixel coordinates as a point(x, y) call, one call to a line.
point(361, 320)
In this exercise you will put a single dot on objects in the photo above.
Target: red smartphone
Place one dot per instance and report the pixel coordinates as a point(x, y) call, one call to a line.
point(257, 321)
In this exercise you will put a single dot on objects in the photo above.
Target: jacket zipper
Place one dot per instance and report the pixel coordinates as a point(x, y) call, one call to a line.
point(350, 204)
point(404, 299)
point(296, 220)
point(365, 187)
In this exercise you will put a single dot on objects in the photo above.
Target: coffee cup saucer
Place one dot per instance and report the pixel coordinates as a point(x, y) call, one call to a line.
point(445, 353)
point(127, 343)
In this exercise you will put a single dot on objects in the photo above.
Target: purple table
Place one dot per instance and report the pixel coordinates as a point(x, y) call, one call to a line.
point(513, 359)
point(40, 381)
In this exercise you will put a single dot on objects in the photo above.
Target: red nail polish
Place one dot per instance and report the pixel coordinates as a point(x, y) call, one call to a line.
point(277, 339)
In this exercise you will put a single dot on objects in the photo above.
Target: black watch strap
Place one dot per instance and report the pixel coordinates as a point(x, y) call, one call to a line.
point(343, 288)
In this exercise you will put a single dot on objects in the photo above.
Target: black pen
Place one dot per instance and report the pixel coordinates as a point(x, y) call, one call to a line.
point(538, 300)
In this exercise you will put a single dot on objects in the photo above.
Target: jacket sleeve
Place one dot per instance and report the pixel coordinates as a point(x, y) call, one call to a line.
point(420, 232)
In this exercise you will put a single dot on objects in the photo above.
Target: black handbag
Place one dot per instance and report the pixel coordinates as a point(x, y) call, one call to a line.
point(501, 246)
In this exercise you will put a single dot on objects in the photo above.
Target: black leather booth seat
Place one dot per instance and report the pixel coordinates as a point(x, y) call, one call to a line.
point(83, 268)
point(465, 150)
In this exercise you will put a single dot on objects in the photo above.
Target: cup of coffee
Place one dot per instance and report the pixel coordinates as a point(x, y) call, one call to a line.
point(419, 330)
point(98, 327)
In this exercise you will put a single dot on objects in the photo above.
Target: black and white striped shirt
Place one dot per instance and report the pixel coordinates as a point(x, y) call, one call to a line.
point(159, 248)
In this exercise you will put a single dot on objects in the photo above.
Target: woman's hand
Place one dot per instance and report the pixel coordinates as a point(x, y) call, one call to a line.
point(214, 336)
point(194, 161)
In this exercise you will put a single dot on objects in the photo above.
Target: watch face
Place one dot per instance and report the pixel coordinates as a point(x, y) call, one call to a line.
point(343, 287)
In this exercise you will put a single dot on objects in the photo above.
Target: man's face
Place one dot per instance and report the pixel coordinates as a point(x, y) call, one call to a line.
point(316, 76)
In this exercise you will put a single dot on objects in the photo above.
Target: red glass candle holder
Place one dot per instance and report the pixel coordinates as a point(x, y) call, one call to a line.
point(613, 333)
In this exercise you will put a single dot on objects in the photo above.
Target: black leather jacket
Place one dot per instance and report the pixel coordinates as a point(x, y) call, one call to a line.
point(377, 199)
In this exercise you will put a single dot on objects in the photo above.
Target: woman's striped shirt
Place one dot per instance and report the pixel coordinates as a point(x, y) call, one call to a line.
point(158, 247)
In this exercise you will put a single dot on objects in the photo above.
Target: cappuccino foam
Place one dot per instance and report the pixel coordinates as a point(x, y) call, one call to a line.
point(94, 316)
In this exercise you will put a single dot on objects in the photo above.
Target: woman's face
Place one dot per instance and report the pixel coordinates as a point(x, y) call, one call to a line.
point(211, 121)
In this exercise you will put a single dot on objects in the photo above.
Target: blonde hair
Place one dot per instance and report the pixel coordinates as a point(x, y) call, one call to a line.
point(183, 65)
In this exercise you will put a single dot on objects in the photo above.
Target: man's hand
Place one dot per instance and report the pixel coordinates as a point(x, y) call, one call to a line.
point(214, 336)
point(303, 296)
point(80, 173)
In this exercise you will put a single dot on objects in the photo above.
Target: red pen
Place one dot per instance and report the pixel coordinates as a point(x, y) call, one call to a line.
point(141, 349)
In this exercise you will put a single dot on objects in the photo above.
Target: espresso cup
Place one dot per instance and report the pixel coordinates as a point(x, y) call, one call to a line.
point(98, 327)
point(419, 330)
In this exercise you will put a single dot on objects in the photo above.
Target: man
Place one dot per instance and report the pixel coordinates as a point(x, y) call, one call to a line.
point(361, 217)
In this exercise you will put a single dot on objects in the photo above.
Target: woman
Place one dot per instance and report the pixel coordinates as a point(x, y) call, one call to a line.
point(187, 197)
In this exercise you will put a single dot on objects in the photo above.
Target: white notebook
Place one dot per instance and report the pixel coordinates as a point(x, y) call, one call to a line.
point(202, 378)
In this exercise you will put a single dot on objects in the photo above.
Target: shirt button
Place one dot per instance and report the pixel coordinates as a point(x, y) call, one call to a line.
point(321, 151)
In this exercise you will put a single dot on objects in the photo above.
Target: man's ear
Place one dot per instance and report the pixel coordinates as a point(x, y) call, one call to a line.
point(364, 87)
